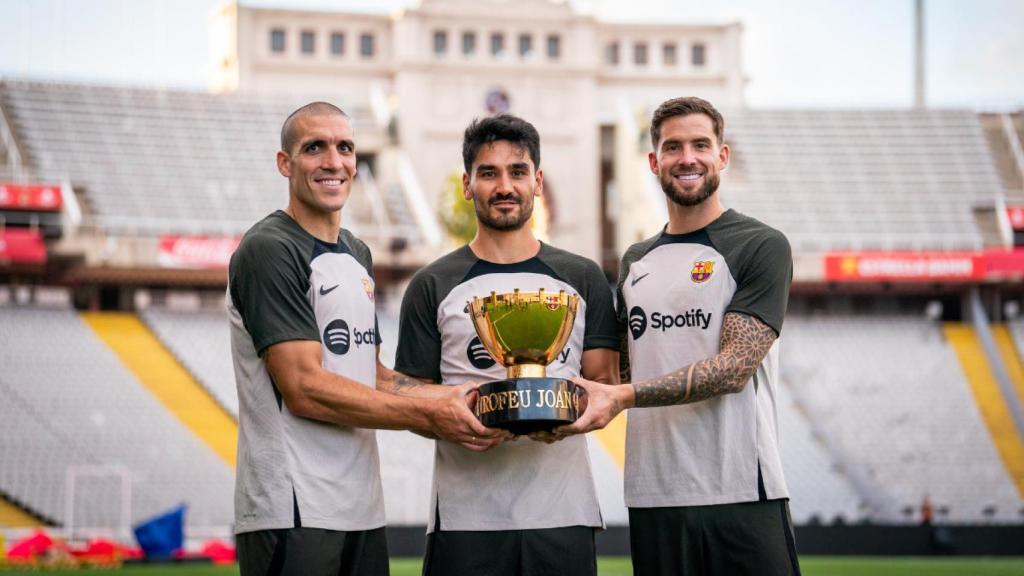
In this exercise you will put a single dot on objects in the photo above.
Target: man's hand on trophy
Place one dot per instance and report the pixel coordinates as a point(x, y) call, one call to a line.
point(599, 404)
point(455, 421)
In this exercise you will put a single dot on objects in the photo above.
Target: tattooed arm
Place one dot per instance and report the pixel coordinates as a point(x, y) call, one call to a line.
point(401, 385)
point(743, 344)
point(481, 437)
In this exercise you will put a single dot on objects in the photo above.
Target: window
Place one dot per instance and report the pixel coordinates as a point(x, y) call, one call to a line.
point(611, 54)
point(668, 54)
point(497, 44)
point(468, 43)
point(525, 45)
point(366, 45)
point(554, 47)
point(440, 42)
point(308, 42)
point(337, 43)
point(277, 40)
point(640, 54)
point(698, 55)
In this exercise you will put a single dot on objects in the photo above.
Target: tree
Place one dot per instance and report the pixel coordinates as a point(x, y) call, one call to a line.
point(455, 212)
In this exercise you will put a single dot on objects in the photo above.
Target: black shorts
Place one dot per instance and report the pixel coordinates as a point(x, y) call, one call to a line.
point(313, 552)
point(565, 551)
point(729, 539)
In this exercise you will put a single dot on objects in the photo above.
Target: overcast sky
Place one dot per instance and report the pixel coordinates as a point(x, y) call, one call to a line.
point(797, 53)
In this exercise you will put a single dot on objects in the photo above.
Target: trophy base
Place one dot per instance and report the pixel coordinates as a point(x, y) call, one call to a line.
point(524, 405)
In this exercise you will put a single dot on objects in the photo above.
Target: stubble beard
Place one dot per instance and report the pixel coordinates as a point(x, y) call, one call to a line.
point(503, 222)
point(668, 185)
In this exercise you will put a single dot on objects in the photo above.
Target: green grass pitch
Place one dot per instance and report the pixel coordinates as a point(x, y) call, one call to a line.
point(613, 566)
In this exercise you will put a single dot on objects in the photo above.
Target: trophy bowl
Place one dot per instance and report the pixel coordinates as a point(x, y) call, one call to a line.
point(524, 332)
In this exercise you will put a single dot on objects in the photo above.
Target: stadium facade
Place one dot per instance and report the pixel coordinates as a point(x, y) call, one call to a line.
point(425, 72)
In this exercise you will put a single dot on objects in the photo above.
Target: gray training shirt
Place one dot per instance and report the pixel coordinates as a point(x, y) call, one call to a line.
point(673, 292)
point(284, 284)
point(522, 484)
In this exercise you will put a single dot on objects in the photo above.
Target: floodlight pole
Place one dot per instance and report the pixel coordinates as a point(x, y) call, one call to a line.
point(919, 54)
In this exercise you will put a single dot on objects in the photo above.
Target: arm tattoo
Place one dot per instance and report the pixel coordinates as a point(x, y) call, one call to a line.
point(744, 342)
point(400, 384)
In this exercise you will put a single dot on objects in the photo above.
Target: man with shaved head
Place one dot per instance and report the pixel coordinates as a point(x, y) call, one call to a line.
point(304, 340)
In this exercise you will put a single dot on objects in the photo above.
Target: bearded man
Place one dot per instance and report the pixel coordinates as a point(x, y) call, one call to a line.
point(700, 309)
point(530, 506)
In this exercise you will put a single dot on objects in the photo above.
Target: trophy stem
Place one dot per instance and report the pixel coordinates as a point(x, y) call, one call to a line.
point(525, 371)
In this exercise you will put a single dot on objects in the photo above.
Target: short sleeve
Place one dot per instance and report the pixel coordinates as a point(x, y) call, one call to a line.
point(418, 352)
point(269, 286)
point(762, 286)
point(600, 329)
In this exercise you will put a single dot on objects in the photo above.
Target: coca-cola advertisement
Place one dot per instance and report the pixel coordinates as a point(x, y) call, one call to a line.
point(197, 251)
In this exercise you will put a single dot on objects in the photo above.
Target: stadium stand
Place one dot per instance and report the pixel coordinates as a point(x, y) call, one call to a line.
point(1016, 327)
point(159, 161)
point(891, 392)
point(162, 161)
point(863, 180)
point(80, 408)
point(821, 492)
point(200, 340)
point(1000, 143)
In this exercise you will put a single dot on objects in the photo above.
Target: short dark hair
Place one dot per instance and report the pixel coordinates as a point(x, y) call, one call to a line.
point(684, 107)
point(288, 136)
point(500, 127)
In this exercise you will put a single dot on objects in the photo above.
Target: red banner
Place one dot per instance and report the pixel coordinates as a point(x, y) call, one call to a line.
point(37, 197)
point(196, 251)
point(22, 246)
point(1016, 216)
point(905, 266)
point(1004, 263)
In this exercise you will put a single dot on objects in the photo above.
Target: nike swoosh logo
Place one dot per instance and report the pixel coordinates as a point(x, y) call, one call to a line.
point(638, 278)
point(328, 291)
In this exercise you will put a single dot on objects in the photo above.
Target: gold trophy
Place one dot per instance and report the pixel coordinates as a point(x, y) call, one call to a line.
point(524, 332)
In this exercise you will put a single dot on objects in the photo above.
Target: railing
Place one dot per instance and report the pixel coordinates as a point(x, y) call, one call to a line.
point(1015, 145)
point(421, 209)
point(10, 145)
point(981, 325)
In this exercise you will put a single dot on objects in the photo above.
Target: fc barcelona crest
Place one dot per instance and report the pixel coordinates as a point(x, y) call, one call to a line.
point(368, 286)
point(702, 270)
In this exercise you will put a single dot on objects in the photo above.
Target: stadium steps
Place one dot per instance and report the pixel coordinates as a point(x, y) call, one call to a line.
point(14, 516)
point(1002, 156)
point(986, 219)
point(983, 385)
point(161, 373)
point(1011, 358)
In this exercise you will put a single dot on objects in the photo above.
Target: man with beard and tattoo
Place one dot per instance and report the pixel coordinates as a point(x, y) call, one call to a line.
point(700, 309)
point(525, 507)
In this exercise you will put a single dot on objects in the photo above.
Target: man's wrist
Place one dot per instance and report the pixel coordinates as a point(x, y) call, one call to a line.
point(626, 396)
point(424, 412)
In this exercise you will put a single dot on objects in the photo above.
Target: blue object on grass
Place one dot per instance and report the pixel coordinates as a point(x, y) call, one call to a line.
point(163, 535)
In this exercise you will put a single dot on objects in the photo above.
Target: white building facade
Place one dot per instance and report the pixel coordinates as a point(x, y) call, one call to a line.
point(419, 76)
